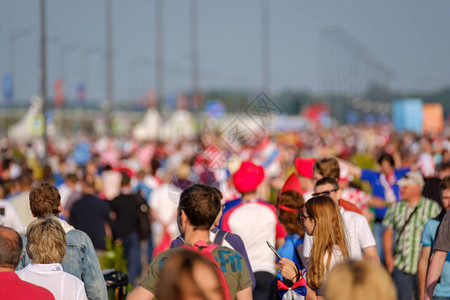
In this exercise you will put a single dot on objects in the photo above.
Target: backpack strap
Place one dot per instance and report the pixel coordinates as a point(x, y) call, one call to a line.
point(220, 236)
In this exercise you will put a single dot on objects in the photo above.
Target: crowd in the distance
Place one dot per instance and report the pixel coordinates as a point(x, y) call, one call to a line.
point(347, 209)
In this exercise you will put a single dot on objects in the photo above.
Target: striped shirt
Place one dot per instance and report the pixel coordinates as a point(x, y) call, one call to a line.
point(408, 246)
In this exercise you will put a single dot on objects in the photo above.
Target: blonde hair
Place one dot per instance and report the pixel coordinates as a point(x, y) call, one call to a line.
point(328, 233)
point(354, 280)
point(46, 241)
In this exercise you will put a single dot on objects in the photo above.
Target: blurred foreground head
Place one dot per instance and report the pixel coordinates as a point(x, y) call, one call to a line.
point(355, 280)
point(189, 275)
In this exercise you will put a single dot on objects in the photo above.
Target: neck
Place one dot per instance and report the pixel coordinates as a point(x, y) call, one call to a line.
point(6, 270)
point(413, 201)
point(193, 236)
point(250, 196)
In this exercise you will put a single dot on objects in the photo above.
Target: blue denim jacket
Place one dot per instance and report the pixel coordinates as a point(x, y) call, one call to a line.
point(81, 261)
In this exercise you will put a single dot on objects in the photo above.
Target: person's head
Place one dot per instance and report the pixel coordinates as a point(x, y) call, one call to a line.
point(190, 276)
point(248, 177)
point(326, 167)
point(44, 200)
point(445, 192)
point(289, 206)
point(126, 180)
point(411, 185)
point(25, 181)
point(444, 169)
point(46, 241)
point(328, 186)
point(386, 161)
point(71, 180)
point(199, 204)
point(88, 184)
point(10, 248)
point(355, 280)
point(322, 220)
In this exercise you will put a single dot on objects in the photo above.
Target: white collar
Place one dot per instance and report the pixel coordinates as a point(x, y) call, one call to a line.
point(65, 225)
point(39, 268)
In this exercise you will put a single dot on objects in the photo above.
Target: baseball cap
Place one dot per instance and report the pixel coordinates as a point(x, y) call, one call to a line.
point(248, 177)
point(411, 178)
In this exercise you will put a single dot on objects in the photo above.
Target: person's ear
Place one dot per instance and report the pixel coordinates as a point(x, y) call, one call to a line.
point(184, 218)
point(27, 248)
point(60, 207)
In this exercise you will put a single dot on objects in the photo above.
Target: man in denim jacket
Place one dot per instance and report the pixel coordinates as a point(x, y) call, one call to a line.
point(80, 259)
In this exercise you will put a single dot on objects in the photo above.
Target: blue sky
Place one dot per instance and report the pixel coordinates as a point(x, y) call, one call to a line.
point(410, 37)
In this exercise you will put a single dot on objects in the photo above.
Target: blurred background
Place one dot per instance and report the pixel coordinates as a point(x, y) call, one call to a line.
point(105, 57)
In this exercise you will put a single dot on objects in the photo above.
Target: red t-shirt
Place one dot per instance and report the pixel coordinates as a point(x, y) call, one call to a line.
point(12, 287)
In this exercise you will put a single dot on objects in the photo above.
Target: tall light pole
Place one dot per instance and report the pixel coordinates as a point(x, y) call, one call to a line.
point(44, 76)
point(193, 28)
point(159, 55)
point(265, 45)
point(12, 41)
point(109, 65)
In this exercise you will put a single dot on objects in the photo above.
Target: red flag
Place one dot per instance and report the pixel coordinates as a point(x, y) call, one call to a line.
point(58, 92)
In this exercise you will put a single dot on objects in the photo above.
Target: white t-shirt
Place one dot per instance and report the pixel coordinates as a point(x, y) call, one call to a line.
point(357, 232)
point(164, 202)
point(256, 223)
point(62, 285)
point(336, 258)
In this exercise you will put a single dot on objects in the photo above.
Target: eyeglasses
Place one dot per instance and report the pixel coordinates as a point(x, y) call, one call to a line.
point(325, 193)
point(303, 217)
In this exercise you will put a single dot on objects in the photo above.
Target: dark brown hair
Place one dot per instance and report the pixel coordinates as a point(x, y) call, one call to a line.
point(201, 204)
point(44, 199)
point(327, 167)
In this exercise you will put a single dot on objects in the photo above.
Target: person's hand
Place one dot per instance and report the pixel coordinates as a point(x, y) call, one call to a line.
point(389, 261)
point(289, 270)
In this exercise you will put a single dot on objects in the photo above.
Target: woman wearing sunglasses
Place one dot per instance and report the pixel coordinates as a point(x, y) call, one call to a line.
point(322, 220)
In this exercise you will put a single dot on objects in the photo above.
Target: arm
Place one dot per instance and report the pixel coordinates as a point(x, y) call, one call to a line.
point(352, 169)
point(422, 268)
point(289, 270)
point(388, 240)
point(434, 271)
point(279, 242)
point(91, 272)
point(376, 202)
point(311, 294)
point(140, 293)
point(370, 253)
point(245, 294)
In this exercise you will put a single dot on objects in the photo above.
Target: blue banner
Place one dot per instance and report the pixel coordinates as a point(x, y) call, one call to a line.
point(8, 87)
point(407, 114)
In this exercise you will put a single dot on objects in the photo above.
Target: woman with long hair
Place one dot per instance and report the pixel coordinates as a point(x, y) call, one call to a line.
point(322, 220)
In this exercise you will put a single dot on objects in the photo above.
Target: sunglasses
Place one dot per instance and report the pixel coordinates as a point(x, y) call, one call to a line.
point(303, 217)
point(324, 193)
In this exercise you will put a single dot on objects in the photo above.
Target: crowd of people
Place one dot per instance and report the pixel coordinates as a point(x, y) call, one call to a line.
point(350, 211)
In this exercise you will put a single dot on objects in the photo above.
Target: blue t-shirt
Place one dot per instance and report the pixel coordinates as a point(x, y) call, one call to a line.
point(442, 289)
point(288, 250)
point(373, 178)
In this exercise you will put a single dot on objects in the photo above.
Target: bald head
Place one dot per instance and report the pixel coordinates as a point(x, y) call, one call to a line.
point(10, 248)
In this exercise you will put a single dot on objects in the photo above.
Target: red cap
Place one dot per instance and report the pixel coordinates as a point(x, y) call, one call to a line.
point(304, 166)
point(248, 177)
point(292, 184)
